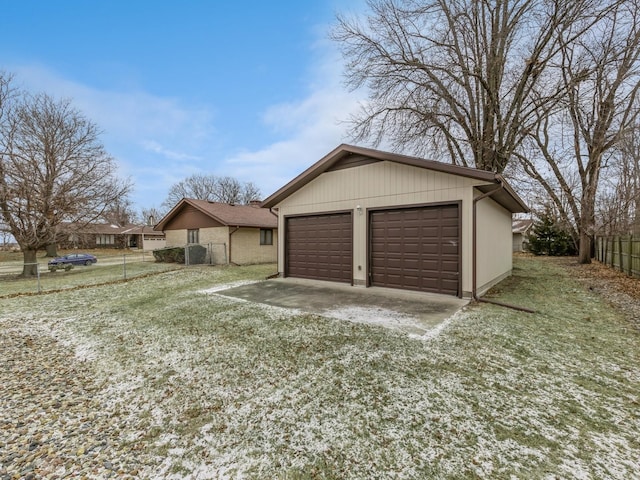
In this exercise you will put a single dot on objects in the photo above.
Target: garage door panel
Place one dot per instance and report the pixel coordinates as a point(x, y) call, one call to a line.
point(449, 250)
point(449, 231)
point(416, 248)
point(449, 284)
point(449, 267)
point(319, 247)
point(411, 248)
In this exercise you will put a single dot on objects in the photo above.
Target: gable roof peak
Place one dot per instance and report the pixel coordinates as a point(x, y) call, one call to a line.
point(344, 150)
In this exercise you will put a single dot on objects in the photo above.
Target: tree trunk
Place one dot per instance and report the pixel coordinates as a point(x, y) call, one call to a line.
point(584, 254)
point(30, 267)
point(586, 224)
point(52, 250)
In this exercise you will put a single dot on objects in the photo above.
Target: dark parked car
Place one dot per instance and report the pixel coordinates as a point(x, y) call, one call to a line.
point(67, 261)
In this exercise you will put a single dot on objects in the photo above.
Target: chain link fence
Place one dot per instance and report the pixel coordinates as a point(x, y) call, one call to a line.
point(108, 269)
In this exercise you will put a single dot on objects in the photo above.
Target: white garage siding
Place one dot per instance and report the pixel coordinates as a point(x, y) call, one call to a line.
point(494, 237)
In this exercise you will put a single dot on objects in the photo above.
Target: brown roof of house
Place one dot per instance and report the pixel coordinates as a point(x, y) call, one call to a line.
point(359, 155)
point(141, 230)
point(89, 228)
point(109, 228)
point(227, 214)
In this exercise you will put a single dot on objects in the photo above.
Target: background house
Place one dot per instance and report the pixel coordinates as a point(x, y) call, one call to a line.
point(520, 230)
point(239, 234)
point(144, 237)
point(106, 235)
point(372, 218)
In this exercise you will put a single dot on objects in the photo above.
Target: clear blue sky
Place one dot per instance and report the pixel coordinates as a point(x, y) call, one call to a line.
point(247, 89)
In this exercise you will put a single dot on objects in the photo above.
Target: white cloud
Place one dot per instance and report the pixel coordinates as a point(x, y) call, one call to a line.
point(152, 137)
point(153, 146)
point(132, 117)
point(160, 140)
point(313, 126)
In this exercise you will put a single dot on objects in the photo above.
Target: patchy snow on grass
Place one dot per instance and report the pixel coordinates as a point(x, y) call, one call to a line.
point(372, 315)
point(217, 387)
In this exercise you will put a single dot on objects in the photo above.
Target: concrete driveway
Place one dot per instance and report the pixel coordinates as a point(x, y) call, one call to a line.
point(416, 313)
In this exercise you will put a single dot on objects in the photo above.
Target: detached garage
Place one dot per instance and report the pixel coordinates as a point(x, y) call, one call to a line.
point(371, 218)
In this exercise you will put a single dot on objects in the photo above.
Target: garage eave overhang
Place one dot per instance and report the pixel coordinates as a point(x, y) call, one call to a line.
point(505, 196)
point(508, 198)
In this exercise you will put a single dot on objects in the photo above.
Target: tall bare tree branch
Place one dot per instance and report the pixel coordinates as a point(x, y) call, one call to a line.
point(213, 188)
point(600, 72)
point(460, 75)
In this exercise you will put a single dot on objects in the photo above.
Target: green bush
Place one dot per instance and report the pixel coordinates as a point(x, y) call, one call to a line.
point(197, 255)
point(169, 255)
point(548, 237)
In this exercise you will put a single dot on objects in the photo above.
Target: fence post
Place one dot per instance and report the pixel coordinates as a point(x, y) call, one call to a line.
point(38, 275)
point(620, 252)
point(124, 265)
point(613, 251)
point(630, 255)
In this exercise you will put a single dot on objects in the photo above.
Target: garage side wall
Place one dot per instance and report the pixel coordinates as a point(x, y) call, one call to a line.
point(374, 186)
point(494, 242)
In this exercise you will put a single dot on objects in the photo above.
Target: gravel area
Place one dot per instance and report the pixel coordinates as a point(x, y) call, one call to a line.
point(52, 426)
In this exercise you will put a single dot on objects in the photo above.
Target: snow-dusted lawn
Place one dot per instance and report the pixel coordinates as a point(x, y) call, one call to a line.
point(219, 388)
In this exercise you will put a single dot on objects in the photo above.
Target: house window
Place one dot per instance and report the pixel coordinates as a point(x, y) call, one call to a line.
point(266, 236)
point(192, 236)
point(105, 239)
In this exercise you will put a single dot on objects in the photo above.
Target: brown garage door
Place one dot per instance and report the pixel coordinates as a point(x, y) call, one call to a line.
point(319, 247)
point(416, 248)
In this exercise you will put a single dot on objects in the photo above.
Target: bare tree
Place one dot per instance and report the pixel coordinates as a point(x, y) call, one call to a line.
point(150, 216)
point(457, 77)
point(250, 193)
point(619, 202)
point(213, 188)
point(53, 169)
point(600, 74)
point(7, 93)
point(120, 212)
